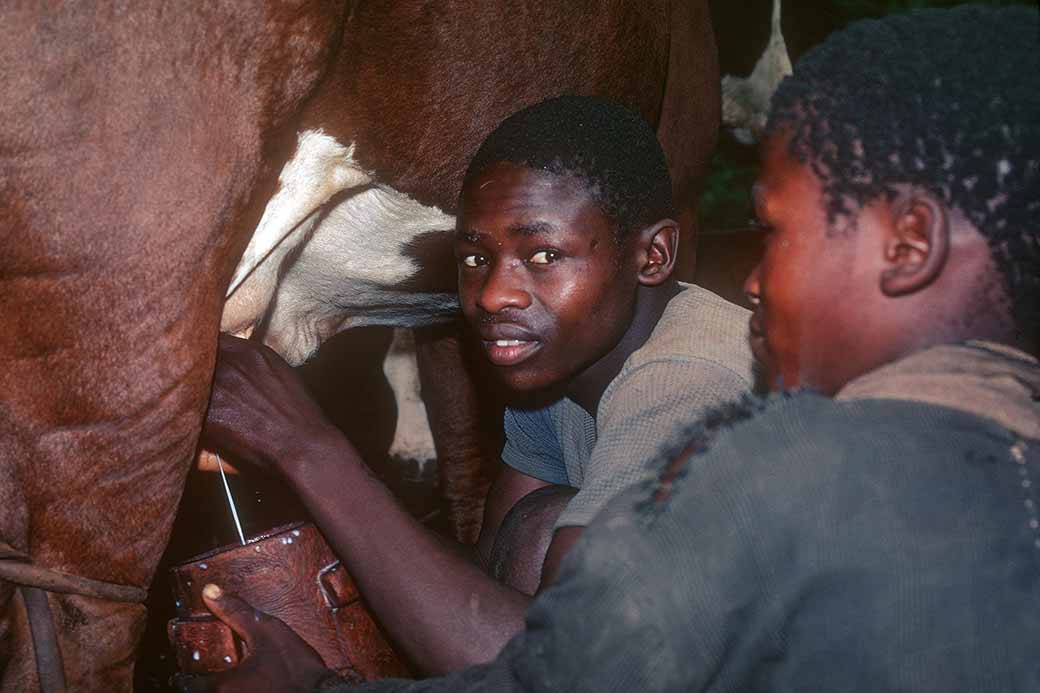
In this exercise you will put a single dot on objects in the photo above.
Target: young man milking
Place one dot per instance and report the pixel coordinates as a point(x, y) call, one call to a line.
point(565, 245)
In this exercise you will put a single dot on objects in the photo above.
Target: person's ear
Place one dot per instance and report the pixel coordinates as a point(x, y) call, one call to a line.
point(917, 244)
point(658, 250)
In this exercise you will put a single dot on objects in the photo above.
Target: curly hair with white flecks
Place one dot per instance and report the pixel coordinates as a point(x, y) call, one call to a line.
point(947, 100)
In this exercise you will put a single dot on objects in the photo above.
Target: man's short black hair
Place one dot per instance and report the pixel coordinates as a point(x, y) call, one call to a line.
point(948, 100)
point(607, 147)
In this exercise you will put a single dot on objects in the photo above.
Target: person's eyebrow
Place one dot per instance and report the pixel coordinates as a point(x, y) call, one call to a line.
point(533, 228)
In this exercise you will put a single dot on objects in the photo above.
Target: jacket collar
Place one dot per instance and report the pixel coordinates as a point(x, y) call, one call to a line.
point(990, 380)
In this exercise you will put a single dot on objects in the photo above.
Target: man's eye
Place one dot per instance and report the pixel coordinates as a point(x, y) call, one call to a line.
point(544, 257)
point(473, 260)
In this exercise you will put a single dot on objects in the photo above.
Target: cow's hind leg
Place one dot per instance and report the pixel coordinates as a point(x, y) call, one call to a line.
point(464, 432)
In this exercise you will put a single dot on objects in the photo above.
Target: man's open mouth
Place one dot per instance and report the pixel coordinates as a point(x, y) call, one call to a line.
point(509, 352)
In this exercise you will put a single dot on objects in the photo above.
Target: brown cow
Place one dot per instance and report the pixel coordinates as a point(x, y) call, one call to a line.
point(138, 146)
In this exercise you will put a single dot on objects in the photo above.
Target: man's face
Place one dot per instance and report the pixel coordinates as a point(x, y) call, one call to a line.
point(539, 276)
point(819, 319)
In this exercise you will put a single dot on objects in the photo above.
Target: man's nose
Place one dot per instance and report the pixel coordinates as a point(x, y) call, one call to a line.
point(504, 288)
point(752, 290)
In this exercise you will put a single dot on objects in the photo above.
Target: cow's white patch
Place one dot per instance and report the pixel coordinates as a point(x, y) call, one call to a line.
point(315, 268)
point(412, 437)
point(349, 273)
point(319, 168)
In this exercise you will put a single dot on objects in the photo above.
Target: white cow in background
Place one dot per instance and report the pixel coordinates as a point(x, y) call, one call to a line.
point(745, 100)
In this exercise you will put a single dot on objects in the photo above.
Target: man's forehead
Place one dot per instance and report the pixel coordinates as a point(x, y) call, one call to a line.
point(526, 198)
point(473, 232)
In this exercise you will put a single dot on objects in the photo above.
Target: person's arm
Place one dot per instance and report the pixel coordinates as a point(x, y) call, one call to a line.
point(445, 612)
point(441, 609)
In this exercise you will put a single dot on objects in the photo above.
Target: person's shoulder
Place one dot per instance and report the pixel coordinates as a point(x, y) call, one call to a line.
point(700, 326)
point(794, 458)
point(788, 423)
point(695, 297)
point(807, 444)
point(797, 447)
point(694, 301)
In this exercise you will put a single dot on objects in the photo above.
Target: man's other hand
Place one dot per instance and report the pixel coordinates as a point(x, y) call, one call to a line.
point(259, 412)
point(277, 659)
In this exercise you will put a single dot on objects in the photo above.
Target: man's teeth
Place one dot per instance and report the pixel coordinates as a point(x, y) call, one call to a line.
point(508, 342)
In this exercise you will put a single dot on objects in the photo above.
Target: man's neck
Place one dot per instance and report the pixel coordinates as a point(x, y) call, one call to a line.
point(588, 388)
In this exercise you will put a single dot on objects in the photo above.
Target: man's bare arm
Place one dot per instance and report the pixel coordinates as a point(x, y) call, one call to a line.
point(443, 610)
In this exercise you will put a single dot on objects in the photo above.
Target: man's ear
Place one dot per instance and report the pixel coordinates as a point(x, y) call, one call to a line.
point(658, 250)
point(917, 245)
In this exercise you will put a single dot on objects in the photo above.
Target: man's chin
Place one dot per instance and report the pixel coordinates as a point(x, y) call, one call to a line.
point(526, 391)
point(763, 376)
point(766, 375)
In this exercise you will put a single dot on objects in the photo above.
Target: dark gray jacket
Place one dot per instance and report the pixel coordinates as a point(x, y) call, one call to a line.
point(871, 545)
